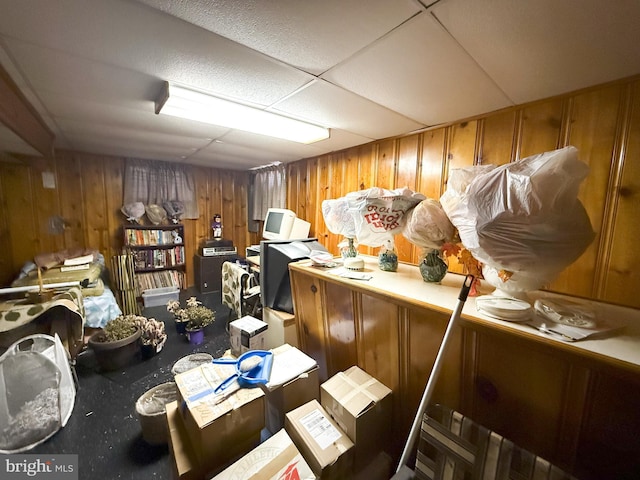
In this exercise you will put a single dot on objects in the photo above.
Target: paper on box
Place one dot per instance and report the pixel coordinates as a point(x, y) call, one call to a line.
point(247, 333)
point(293, 382)
point(219, 432)
point(362, 406)
point(325, 447)
point(276, 458)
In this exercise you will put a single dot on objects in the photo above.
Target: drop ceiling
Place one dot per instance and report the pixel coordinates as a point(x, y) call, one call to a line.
point(366, 69)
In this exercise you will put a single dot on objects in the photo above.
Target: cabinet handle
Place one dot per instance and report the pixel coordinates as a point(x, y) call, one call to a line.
point(314, 289)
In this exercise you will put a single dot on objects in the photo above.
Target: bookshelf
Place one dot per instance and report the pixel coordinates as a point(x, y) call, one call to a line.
point(158, 255)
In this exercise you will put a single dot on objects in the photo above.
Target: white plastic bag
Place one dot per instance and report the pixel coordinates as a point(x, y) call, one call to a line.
point(525, 216)
point(379, 213)
point(427, 225)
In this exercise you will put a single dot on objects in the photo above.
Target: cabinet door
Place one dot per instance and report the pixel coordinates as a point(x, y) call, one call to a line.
point(310, 319)
point(609, 445)
point(527, 392)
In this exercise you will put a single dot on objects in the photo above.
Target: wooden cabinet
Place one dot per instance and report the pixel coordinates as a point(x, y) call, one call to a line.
point(159, 254)
point(208, 271)
point(563, 401)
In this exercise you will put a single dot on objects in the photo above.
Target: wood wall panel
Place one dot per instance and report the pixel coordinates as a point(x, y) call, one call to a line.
point(602, 122)
point(498, 148)
point(433, 160)
point(386, 164)
point(21, 219)
point(593, 119)
point(540, 127)
point(622, 273)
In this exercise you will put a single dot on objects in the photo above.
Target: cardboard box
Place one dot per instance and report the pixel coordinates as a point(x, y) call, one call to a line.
point(183, 456)
point(247, 333)
point(186, 465)
point(275, 459)
point(282, 328)
point(221, 428)
point(362, 407)
point(293, 382)
point(325, 447)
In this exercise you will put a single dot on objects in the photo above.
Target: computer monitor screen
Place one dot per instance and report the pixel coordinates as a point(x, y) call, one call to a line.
point(275, 256)
point(283, 224)
point(278, 223)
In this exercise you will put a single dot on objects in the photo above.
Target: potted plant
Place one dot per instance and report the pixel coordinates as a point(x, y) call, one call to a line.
point(117, 343)
point(153, 335)
point(195, 317)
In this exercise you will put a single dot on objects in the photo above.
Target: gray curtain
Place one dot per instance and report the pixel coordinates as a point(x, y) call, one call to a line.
point(150, 182)
point(269, 190)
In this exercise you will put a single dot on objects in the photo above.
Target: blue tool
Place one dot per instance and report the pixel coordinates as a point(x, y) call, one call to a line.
point(252, 368)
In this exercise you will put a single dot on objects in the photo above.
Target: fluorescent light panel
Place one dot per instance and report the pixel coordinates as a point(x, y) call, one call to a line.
point(190, 104)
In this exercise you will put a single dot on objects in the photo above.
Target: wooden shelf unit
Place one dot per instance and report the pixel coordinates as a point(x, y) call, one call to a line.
point(159, 260)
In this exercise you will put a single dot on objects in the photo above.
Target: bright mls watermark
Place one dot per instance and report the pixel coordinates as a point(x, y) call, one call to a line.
point(49, 467)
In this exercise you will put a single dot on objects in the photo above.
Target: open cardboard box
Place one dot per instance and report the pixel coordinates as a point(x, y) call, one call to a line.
point(293, 382)
point(219, 429)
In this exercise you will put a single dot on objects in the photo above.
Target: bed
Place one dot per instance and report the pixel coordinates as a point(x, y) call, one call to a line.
point(96, 303)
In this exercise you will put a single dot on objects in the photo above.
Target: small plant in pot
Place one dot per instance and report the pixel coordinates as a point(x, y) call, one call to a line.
point(117, 343)
point(195, 318)
point(153, 335)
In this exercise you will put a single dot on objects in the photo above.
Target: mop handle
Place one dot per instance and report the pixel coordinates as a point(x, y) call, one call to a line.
point(428, 391)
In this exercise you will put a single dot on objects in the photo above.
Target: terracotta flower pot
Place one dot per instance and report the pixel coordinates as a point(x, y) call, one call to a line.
point(114, 355)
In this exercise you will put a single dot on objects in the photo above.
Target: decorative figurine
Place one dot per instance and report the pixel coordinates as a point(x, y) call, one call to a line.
point(216, 226)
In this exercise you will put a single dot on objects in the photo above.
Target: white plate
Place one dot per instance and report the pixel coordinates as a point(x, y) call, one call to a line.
point(504, 308)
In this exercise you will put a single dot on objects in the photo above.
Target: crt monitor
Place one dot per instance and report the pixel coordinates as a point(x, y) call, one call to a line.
point(275, 256)
point(284, 224)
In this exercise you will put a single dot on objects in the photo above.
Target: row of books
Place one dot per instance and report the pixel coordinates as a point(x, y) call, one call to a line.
point(160, 258)
point(136, 237)
point(164, 278)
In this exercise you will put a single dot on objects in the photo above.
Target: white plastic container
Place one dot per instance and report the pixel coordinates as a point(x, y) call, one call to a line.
point(156, 297)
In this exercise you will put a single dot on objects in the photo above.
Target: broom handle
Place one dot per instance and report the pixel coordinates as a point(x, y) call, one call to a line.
point(431, 383)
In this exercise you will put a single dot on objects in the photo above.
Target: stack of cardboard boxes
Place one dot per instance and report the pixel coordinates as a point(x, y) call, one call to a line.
point(290, 428)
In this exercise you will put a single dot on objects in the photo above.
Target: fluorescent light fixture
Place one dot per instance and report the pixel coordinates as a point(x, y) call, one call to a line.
point(186, 103)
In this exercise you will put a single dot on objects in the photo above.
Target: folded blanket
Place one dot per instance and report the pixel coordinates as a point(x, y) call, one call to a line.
point(55, 275)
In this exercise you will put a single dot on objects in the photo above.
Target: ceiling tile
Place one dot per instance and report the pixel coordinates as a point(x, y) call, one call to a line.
point(420, 71)
point(336, 107)
point(132, 36)
point(544, 48)
point(312, 36)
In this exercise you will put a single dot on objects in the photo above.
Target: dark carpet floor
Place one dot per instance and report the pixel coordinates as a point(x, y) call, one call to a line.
point(104, 430)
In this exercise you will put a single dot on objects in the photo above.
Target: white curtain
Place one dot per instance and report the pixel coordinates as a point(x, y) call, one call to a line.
point(269, 190)
point(157, 182)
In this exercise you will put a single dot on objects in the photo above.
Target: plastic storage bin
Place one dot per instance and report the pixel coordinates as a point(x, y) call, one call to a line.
point(155, 297)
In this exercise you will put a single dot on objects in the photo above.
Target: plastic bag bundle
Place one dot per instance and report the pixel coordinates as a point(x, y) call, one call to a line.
point(427, 225)
point(523, 217)
point(376, 214)
point(174, 210)
point(155, 213)
point(338, 218)
point(133, 211)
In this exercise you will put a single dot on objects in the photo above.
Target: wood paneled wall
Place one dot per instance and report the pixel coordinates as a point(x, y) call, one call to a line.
point(603, 123)
point(88, 196)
